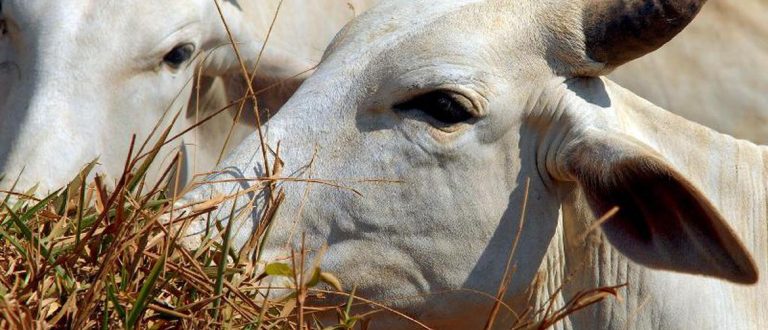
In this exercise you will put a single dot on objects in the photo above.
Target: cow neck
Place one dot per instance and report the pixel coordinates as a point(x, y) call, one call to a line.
point(731, 173)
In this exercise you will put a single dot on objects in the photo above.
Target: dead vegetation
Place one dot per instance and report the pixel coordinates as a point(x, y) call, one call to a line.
point(88, 256)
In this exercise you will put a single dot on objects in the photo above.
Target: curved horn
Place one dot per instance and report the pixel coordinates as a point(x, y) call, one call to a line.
point(618, 31)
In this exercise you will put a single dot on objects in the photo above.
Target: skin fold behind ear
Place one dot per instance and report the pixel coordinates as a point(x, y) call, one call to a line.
point(663, 220)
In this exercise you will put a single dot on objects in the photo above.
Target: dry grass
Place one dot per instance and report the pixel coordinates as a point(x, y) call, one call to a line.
point(88, 256)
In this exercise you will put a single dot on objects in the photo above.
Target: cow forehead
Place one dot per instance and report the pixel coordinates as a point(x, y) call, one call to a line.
point(389, 23)
point(116, 21)
point(110, 39)
point(473, 39)
point(96, 10)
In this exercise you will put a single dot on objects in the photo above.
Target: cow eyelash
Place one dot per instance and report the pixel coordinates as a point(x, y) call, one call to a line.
point(444, 106)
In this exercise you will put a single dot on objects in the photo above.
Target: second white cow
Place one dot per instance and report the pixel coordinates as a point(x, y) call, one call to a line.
point(78, 78)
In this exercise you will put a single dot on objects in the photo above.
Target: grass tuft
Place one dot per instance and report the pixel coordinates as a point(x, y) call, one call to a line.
point(89, 255)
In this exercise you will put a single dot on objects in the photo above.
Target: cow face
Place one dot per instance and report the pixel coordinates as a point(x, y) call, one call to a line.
point(464, 126)
point(80, 77)
point(77, 79)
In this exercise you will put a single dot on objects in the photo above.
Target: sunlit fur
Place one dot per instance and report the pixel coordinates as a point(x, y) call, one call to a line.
point(441, 224)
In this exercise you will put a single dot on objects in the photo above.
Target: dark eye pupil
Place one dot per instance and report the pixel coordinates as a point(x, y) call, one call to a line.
point(438, 105)
point(178, 55)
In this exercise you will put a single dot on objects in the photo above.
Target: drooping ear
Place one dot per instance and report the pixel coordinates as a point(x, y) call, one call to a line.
point(248, 24)
point(663, 221)
point(618, 31)
point(275, 72)
point(273, 62)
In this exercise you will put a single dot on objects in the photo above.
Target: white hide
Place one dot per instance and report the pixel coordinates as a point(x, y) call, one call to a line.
point(78, 78)
point(434, 229)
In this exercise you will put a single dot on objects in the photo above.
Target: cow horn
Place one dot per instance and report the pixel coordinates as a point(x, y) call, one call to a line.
point(618, 31)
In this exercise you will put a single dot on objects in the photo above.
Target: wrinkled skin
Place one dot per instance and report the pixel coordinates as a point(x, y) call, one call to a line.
point(439, 224)
point(78, 78)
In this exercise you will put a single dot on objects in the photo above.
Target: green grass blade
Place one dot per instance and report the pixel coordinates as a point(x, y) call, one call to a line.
point(105, 316)
point(31, 191)
point(22, 227)
point(348, 308)
point(82, 178)
point(13, 188)
point(7, 198)
point(27, 233)
point(91, 219)
point(20, 222)
point(80, 210)
point(14, 242)
point(113, 298)
point(219, 285)
point(63, 201)
point(38, 207)
point(140, 305)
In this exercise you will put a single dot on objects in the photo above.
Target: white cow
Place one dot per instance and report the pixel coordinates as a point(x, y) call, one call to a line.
point(458, 104)
point(77, 78)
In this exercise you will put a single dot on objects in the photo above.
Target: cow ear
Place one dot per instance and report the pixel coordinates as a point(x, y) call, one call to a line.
point(663, 220)
point(273, 62)
point(275, 71)
point(248, 25)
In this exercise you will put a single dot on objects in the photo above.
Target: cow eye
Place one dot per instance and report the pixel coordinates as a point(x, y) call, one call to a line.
point(3, 27)
point(178, 55)
point(447, 107)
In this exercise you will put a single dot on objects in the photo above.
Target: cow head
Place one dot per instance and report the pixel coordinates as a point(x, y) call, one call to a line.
point(78, 78)
point(466, 117)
